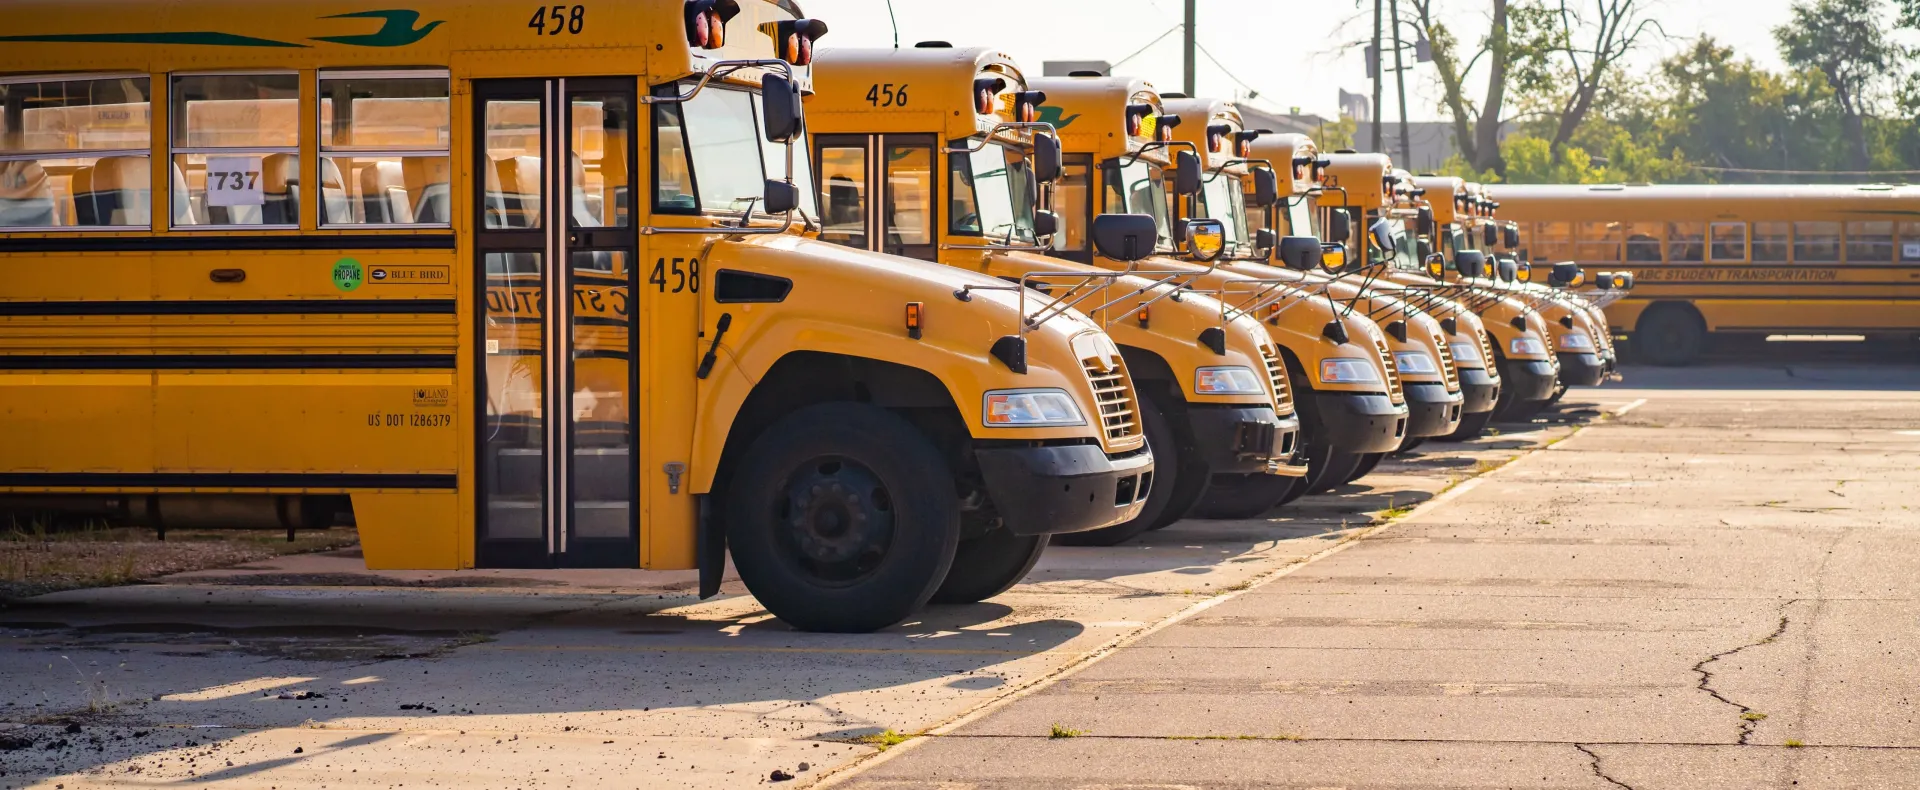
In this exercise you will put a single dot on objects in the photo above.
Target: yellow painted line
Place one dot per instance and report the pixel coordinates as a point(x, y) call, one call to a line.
point(862, 651)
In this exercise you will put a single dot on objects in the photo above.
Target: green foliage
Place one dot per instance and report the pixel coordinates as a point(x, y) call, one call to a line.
point(1337, 135)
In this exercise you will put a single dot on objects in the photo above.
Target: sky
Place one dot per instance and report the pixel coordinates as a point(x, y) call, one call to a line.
point(1293, 53)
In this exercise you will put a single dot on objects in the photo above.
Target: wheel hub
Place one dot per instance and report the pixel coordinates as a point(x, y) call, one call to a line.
point(838, 518)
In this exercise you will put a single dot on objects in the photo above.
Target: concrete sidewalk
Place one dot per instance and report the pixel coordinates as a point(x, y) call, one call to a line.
point(1716, 590)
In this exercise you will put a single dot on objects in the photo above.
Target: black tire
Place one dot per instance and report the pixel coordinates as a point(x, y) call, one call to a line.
point(1413, 443)
point(1247, 496)
point(1367, 464)
point(842, 517)
point(1333, 472)
point(986, 566)
point(1178, 480)
point(1471, 426)
point(1669, 334)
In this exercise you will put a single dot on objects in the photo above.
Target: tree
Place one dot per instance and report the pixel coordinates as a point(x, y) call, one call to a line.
point(1848, 42)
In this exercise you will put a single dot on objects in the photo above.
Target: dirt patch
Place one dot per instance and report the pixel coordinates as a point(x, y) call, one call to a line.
point(311, 642)
point(35, 562)
point(363, 580)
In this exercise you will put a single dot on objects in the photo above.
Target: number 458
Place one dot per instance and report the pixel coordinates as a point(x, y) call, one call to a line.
point(885, 95)
point(558, 19)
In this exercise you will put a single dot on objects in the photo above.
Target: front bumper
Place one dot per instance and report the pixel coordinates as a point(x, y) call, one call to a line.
point(1360, 423)
point(1431, 409)
point(1479, 391)
point(1582, 369)
point(1243, 440)
point(1068, 488)
point(1529, 379)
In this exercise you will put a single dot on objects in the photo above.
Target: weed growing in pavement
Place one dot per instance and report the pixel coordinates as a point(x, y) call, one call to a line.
point(883, 740)
point(1245, 585)
point(1060, 731)
point(1752, 716)
point(1794, 743)
point(1393, 512)
point(99, 697)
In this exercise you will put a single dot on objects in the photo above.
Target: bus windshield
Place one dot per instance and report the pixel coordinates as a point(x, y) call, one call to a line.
point(993, 194)
point(1406, 252)
point(713, 140)
point(1222, 201)
point(1301, 219)
point(1138, 188)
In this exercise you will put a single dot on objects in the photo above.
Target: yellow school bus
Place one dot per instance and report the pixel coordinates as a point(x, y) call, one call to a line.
point(1578, 334)
point(1749, 260)
point(929, 153)
point(1361, 186)
point(1119, 143)
point(190, 333)
point(1518, 334)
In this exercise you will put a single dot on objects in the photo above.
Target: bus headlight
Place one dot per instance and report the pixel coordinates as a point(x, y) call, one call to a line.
point(1415, 362)
point(1578, 341)
point(1527, 345)
point(1347, 370)
point(1036, 408)
point(1226, 381)
point(1465, 353)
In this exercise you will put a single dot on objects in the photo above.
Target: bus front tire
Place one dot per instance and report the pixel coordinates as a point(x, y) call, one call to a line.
point(1670, 334)
point(1367, 464)
point(988, 565)
point(1239, 496)
point(842, 518)
point(1471, 426)
point(1178, 482)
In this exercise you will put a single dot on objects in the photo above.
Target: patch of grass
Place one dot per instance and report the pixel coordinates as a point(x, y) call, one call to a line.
point(40, 557)
point(1487, 465)
point(1062, 731)
point(883, 740)
point(1754, 716)
point(1793, 743)
point(1241, 587)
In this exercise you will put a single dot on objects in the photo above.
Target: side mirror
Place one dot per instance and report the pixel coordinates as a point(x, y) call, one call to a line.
point(1564, 273)
point(1263, 243)
point(1382, 233)
point(1186, 173)
point(1045, 223)
point(1125, 237)
point(1523, 271)
point(1436, 267)
point(1507, 269)
point(1266, 188)
point(1205, 238)
point(1425, 226)
point(1047, 162)
point(1603, 281)
point(1511, 235)
point(1300, 253)
point(1470, 263)
point(779, 108)
point(780, 197)
point(1490, 235)
point(1339, 226)
point(1333, 258)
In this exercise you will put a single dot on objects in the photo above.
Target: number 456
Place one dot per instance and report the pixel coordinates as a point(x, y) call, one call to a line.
point(885, 95)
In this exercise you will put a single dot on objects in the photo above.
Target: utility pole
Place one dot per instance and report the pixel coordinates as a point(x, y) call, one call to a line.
point(1374, 66)
point(1400, 79)
point(1187, 84)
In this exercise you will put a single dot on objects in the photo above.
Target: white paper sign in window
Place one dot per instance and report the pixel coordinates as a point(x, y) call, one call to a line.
point(1910, 250)
point(234, 181)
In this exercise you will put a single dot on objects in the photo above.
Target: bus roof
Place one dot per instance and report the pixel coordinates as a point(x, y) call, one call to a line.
point(468, 36)
point(1283, 150)
point(941, 78)
point(1361, 177)
point(1196, 115)
point(1704, 202)
point(1093, 113)
point(1442, 192)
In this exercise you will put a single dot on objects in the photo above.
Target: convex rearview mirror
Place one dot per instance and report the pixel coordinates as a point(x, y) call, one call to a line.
point(1205, 238)
point(1186, 173)
point(1300, 253)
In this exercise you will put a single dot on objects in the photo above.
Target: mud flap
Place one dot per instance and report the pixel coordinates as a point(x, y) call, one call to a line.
point(710, 547)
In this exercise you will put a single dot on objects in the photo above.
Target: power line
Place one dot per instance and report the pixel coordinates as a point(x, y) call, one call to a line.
point(1251, 91)
point(1156, 40)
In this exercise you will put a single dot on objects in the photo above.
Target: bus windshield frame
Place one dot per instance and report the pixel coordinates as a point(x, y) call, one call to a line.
point(1154, 195)
point(996, 183)
point(715, 127)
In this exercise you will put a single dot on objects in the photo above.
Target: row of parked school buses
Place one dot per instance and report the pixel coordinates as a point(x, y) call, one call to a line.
point(950, 313)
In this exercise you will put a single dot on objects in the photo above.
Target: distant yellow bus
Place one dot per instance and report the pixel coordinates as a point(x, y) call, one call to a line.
point(512, 286)
point(1754, 260)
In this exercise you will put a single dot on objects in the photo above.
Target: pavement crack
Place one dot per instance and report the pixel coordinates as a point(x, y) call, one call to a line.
point(1748, 717)
point(1593, 762)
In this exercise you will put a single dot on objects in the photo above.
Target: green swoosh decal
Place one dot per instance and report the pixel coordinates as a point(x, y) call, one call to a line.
point(396, 30)
point(198, 38)
point(1052, 115)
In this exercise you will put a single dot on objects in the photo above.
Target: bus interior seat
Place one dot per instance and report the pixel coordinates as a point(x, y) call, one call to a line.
point(517, 192)
point(187, 210)
point(585, 210)
point(334, 202)
point(26, 196)
point(426, 180)
point(281, 171)
point(115, 191)
point(383, 195)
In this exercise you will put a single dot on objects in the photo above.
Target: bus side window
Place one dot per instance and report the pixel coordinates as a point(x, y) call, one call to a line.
point(1816, 242)
point(1070, 202)
point(1910, 242)
point(236, 140)
point(384, 143)
point(77, 153)
point(1870, 242)
point(843, 178)
point(1597, 241)
point(1644, 241)
point(1686, 242)
point(1771, 240)
point(1554, 241)
point(909, 200)
point(1729, 242)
